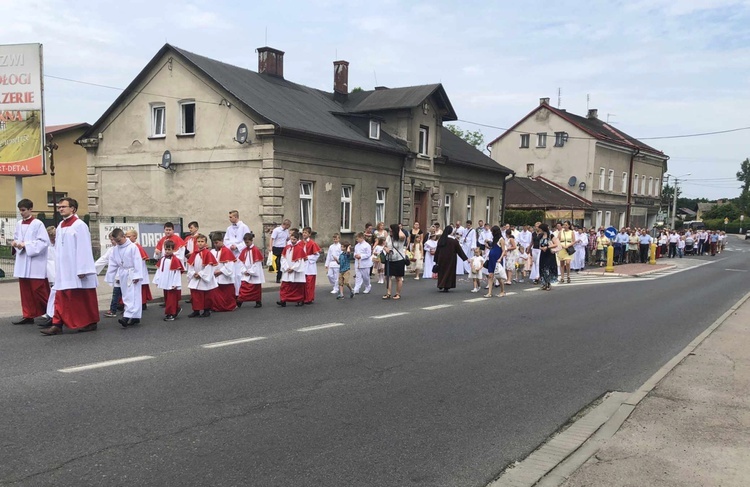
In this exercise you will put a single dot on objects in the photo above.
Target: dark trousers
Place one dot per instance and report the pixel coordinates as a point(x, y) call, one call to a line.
point(277, 251)
point(116, 297)
point(619, 254)
point(644, 252)
point(672, 250)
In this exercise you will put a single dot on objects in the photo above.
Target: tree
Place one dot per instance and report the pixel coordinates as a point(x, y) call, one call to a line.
point(743, 175)
point(728, 210)
point(475, 138)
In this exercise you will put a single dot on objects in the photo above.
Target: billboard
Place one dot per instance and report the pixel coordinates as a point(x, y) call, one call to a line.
point(21, 120)
point(149, 234)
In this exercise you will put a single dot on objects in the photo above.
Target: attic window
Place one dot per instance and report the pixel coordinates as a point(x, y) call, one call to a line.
point(374, 129)
point(158, 120)
point(187, 117)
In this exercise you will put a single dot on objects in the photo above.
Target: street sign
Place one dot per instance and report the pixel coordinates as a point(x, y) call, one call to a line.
point(610, 233)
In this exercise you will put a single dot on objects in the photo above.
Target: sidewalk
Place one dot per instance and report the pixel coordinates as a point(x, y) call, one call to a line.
point(692, 429)
point(10, 296)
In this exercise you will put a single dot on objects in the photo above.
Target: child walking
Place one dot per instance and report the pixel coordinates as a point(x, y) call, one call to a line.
point(477, 266)
point(200, 272)
point(379, 266)
point(168, 278)
point(251, 267)
point(345, 259)
point(418, 255)
point(332, 263)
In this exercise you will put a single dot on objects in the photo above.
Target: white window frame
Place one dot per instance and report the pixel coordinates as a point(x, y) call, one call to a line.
point(599, 215)
point(525, 141)
point(602, 173)
point(347, 190)
point(469, 207)
point(306, 189)
point(541, 140)
point(643, 185)
point(380, 196)
point(651, 186)
point(183, 104)
point(424, 140)
point(447, 202)
point(158, 130)
point(624, 182)
point(559, 139)
point(488, 210)
point(374, 129)
point(622, 220)
point(635, 184)
point(607, 219)
point(611, 180)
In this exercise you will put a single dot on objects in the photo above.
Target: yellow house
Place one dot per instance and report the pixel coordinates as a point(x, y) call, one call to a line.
point(70, 174)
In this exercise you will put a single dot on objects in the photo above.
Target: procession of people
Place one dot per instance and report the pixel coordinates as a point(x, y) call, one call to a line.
point(58, 275)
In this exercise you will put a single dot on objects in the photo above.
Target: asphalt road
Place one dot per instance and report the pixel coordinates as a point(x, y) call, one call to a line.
point(434, 397)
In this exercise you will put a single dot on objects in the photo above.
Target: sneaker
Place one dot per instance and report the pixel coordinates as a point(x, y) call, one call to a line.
point(110, 314)
point(169, 318)
point(366, 291)
point(334, 291)
point(475, 290)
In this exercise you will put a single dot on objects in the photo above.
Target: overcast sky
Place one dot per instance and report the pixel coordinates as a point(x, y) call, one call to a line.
point(654, 67)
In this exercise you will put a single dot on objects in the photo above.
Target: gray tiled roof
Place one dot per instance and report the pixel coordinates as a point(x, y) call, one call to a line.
point(458, 151)
point(539, 193)
point(405, 97)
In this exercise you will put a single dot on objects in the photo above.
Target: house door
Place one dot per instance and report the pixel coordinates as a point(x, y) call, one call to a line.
point(420, 209)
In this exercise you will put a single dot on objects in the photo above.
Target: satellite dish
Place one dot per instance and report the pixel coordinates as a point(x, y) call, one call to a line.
point(241, 137)
point(572, 181)
point(166, 161)
point(582, 186)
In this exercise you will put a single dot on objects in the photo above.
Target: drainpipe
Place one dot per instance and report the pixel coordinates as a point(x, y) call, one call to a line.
point(636, 151)
point(502, 205)
point(401, 192)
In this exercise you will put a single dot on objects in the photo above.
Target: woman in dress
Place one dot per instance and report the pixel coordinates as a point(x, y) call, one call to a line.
point(567, 239)
point(415, 230)
point(579, 258)
point(380, 231)
point(495, 265)
point(548, 245)
point(511, 257)
point(395, 265)
point(430, 247)
point(446, 257)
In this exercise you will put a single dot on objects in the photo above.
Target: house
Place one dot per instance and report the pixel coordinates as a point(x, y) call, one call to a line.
point(704, 208)
point(275, 149)
point(620, 175)
point(686, 214)
point(70, 174)
point(557, 202)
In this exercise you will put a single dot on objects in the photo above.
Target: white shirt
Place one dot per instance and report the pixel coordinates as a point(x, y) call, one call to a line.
point(332, 256)
point(365, 252)
point(207, 279)
point(524, 239)
point(279, 237)
point(234, 236)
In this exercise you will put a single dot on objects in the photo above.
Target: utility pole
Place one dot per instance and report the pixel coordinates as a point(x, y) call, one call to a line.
point(51, 147)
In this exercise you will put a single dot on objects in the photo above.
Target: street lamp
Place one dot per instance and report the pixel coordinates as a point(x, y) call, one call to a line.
point(674, 195)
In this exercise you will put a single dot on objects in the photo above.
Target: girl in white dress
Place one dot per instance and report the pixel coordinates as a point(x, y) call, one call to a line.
point(429, 255)
point(418, 256)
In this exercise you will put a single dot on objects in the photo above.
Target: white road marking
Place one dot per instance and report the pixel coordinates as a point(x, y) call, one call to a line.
point(531, 289)
point(736, 270)
point(232, 342)
point(438, 306)
point(511, 293)
point(388, 315)
point(475, 300)
point(320, 327)
point(107, 363)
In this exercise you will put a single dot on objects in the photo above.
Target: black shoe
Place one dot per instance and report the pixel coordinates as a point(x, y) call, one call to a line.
point(300, 304)
point(239, 304)
point(161, 305)
point(194, 314)
point(188, 301)
point(46, 323)
point(144, 307)
point(134, 321)
point(124, 322)
point(258, 304)
point(91, 327)
point(206, 313)
point(169, 318)
point(24, 321)
point(281, 303)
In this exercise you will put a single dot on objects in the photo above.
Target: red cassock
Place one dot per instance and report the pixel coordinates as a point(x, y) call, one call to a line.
point(199, 299)
point(310, 248)
point(248, 291)
point(223, 297)
point(34, 296)
point(172, 296)
point(145, 287)
point(293, 291)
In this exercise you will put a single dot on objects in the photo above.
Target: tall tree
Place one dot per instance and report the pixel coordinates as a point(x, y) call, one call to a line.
point(475, 138)
point(743, 175)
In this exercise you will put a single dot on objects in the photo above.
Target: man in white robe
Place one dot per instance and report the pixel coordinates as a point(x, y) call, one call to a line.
point(30, 242)
point(233, 240)
point(126, 266)
point(468, 243)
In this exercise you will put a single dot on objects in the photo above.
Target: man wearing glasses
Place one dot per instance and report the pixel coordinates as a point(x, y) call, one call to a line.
point(76, 304)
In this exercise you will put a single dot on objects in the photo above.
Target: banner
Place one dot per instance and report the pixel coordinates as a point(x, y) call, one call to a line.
point(21, 120)
point(564, 214)
point(149, 234)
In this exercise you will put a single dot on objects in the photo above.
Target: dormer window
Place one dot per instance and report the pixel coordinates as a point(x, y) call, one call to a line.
point(424, 135)
point(374, 129)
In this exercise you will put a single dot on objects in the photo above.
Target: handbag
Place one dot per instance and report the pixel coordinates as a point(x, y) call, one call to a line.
point(382, 257)
point(570, 250)
point(435, 269)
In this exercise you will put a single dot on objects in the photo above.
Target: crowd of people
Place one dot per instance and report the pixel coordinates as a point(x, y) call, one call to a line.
point(58, 274)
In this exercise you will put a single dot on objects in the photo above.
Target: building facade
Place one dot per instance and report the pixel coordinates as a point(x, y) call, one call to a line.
point(620, 175)
point(274, 149)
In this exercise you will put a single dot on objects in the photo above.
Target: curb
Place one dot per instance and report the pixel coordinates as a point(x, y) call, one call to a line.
point(561, 455)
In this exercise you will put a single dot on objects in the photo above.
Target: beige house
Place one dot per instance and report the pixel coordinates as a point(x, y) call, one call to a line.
point(620, 175)
point(274, 149)
point(70, 174)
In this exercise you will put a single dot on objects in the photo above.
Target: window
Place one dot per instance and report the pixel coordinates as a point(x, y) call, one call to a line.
point(469, 205)
point(58, 194)
point(635, 184)
point(608, 219)
point(488, 211)
point(622, 220)
point(657, 183)
point(447, 211)
point(624, 182)
point(643, 184)
point(611, 180)
point(187, 118)
point(601, 178)
point(529, 170)
point(651, 187)
point(158, 121)
point(525, 141)
point(346, 208)
point(424, 139)
point(560, 138)
point(380, 205)
point(375, 131)
point(598, 219)
point(305, 204)
point(541, 139)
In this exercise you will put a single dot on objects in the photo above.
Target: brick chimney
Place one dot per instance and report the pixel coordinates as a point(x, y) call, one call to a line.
point(544, 101)
point(593, 113)
point(270, 61)
point(341, 79)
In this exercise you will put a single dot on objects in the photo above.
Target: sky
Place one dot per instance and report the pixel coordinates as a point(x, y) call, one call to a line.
point(653, 68)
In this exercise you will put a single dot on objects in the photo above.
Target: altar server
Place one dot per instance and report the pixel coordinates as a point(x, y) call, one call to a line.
point(293, 266)
point(126, 266)
point(251, 264)
point(29, 244)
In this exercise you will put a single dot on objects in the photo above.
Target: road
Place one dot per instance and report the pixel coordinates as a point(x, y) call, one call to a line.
point(443, 396)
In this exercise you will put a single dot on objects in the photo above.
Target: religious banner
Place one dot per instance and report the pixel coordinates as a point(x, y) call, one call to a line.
point(21, 118)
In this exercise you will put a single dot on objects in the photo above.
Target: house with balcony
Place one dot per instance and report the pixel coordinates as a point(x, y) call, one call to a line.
point(620, 175)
